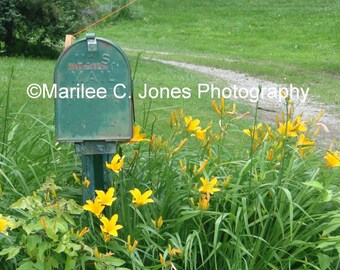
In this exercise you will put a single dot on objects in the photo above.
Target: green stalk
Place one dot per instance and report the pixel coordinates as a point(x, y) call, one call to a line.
point(4, 135)
point(251, 153)
point(284, 146)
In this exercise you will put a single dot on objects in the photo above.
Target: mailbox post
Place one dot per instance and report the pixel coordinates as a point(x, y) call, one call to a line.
point(94, 104)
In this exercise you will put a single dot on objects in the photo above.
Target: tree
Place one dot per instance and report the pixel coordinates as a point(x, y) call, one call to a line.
point(35, 27)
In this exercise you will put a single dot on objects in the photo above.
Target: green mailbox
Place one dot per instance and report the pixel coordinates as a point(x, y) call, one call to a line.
point(94, 92)
point(93, 104)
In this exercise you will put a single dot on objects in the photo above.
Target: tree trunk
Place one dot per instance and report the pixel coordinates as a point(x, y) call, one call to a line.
point(9, 37)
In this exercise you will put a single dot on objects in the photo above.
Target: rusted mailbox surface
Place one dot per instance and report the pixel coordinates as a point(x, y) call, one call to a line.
point(94, 101)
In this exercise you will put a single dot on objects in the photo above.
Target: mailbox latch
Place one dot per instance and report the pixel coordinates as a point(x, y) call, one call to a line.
point(91, 42)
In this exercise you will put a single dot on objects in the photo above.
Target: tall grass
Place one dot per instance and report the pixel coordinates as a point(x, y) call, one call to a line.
point(275, 206)
point(29, 153)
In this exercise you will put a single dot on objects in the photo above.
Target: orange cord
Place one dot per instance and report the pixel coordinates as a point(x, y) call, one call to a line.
point(102, 19)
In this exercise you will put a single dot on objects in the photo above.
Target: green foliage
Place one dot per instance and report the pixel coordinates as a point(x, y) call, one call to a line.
point(35, 27)
point(131, 12)
point(276, 207)
point(42, 234)
point(277, 212)
point(27, 158)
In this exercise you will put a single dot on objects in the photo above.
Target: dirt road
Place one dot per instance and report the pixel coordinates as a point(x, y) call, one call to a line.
point(270, 106)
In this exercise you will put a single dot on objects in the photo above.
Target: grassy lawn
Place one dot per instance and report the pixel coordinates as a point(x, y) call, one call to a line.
point(285, 41)
point(148, 110)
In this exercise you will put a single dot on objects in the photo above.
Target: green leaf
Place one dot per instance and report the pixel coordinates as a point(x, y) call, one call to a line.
point(30, 203)
point(327, 195)
point(325, 246)
point(69, 219)
point(49, 185)
point(51, 263)
point(333, 225)
point(314, 184)
point(61, 225)
point(60, 248)
point(11, 252)
point(337, 246)
point(71, 249)
point(33, 241)
point(291, 210)
point(217, 226)
point(324, 261)
point(73, 208)
point(32, 227)
point(26, 265)
point(113, 261)
point(50, 232)
point(42, 248)
point(70, 263)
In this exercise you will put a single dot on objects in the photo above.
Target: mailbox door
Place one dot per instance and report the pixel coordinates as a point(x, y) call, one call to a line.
point(94, 92)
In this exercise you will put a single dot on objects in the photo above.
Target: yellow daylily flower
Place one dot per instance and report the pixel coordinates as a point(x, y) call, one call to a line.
point(153, 142)
point(258, 133)
point(97, 254)
point(201, 134)
point(86, 182)
point(215, 107)
point(76, 178)
point(106, 198)
point(287, 129)
point(270, 154)
point(173, 120)
point(304, 143)
point(110, 226)
point(157, 143)
point(209, 186)
point(203, 203)
point(106, 236)
point(332, 159)
point(183, 142)
point(116, 164)
point(3, 224)
point(54, 193)
point(226, 181)
point(201, 168)
point(299, 126)
point(95, 207)
point(224, 110)
point(233, 111)
point(161, 259)
point(83, 232)
point(128, 245)
point(137, 136)
point(174, 251)
point(159, 223)
point(190, 124)
point(183, 166)
point(240, 116)
point(43, 223)
point(292, 128)
point(140, 199)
